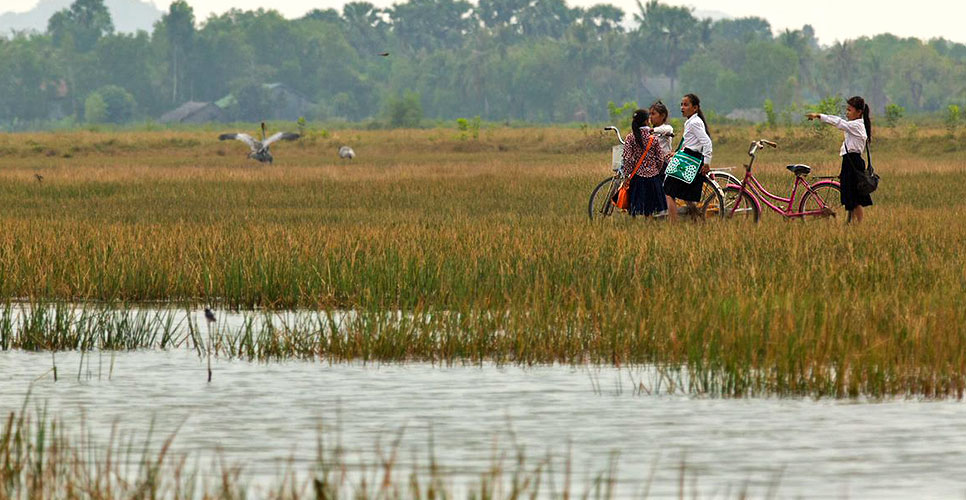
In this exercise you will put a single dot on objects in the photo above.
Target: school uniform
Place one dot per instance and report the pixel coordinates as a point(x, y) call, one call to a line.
point(852, 163)
point(646, 195)
point(697, 143)
point(664, 134)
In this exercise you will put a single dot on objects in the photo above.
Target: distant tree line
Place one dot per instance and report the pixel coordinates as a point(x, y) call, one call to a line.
point(528, 60)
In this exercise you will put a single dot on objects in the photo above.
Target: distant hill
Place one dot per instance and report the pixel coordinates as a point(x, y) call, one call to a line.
point(128, 15)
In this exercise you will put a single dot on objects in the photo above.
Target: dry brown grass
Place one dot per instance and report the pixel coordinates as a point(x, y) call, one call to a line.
point(497, 231)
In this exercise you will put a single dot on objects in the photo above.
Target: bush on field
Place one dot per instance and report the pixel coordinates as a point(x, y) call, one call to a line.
point(952, 117)
point(893, 113)
point(621, 116)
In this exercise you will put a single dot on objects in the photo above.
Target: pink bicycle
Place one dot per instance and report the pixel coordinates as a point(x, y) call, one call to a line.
point(743, 201)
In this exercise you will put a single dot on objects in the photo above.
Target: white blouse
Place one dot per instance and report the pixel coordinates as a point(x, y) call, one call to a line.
point(855, 136)
point(664, 133)
point(696, 137)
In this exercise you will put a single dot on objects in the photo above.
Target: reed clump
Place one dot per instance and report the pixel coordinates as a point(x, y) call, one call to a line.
point(41, 457)
point(487, 254)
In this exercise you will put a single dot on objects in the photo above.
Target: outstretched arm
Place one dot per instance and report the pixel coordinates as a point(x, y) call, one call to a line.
point(833, 120)
point(854, 127)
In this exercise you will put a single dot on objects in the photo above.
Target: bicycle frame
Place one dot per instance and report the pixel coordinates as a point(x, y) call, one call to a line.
point(760, 194)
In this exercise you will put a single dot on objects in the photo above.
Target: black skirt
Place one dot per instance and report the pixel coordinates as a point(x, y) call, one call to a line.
point(646, 195)
point(852, 166)
point(678, 189)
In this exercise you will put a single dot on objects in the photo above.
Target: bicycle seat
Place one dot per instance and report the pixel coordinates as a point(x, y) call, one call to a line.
point(799, 169)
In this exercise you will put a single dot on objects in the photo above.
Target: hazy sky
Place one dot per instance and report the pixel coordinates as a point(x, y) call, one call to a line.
point(832, 19)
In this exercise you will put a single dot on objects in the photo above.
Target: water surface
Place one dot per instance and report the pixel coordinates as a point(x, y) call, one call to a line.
point(262, 415)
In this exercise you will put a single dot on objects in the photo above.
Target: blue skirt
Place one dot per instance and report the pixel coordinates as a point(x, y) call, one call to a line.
point(646, 196)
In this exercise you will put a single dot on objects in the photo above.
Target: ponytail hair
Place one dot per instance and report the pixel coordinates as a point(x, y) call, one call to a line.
point(860, 104)
point(696, 102)
point(639, 120)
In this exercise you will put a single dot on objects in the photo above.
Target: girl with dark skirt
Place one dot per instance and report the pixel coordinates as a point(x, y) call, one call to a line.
point(645, 192)
point(696, 142)
point(858, 131)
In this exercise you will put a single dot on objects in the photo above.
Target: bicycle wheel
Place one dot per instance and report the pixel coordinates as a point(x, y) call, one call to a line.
point(709, 206)
point(712, 201)
point(600, 199)
point(744, 205)
point(722, 179)
point(825, 194)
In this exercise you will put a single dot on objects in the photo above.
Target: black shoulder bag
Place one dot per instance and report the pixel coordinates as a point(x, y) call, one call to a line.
point(867, 181)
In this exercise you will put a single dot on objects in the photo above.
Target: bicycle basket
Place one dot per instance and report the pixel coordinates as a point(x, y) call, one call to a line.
point(617, 157)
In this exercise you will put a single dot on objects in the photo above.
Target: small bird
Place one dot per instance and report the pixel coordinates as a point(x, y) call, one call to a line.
point(259, 149)
point(39, 177)
point(210, 318)
point(383, 54)
point(346, 153)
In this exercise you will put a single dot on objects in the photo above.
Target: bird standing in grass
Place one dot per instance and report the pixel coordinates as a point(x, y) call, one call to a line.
point(346, 153)
point(259, 148)
point(209, 318)
point(39, 177)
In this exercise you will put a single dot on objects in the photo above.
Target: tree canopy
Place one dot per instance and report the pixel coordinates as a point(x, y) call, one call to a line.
point(502, 60)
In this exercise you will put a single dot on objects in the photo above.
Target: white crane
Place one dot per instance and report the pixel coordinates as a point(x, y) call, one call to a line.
point(346, 153)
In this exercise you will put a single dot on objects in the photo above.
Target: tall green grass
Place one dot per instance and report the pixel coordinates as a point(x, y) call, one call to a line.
point(41, 457)
point(486, 246)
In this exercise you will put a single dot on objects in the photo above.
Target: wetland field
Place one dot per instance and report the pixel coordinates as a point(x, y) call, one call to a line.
point(433, 258)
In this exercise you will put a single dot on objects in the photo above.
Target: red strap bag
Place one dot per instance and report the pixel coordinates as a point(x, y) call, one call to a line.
point(622, 199)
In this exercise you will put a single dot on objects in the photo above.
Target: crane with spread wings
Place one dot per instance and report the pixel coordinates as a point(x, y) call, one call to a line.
point(259, 148)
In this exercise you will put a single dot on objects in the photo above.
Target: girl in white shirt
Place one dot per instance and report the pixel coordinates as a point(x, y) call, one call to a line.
point(659, 125)
point(858, 130)
point(696, 142)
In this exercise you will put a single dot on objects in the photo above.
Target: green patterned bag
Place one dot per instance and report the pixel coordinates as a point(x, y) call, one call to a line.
point(683, 167)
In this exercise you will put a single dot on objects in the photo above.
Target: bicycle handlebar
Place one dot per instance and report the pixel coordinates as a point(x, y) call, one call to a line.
point(616, 131)
point(760, 143)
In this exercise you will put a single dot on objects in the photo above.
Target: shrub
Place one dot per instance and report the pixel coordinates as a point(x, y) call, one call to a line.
point(831, 105)
point(893, 113)
point(621, 115)
point(302, 125)
point(952, 117)
point(770, 112)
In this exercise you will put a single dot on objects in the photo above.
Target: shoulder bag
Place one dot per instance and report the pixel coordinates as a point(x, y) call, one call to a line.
point(866, 181)
point(683, 166)
point(622, 199)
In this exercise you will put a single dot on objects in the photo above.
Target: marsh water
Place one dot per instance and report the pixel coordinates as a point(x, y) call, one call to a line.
point(264, 416)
